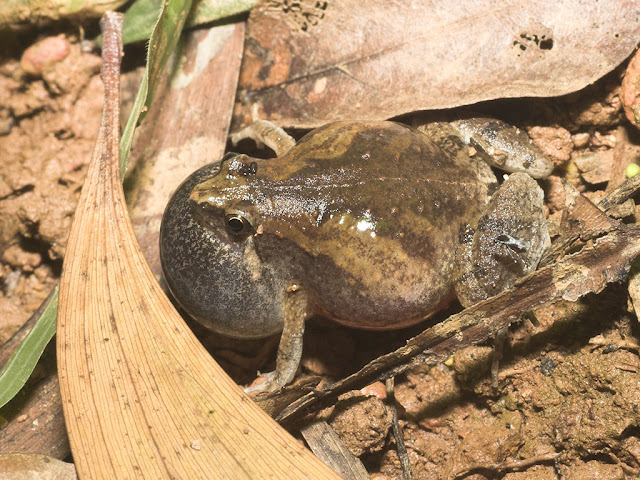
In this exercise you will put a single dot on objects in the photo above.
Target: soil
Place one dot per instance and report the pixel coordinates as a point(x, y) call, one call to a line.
point(566, 401)
point(50, 124)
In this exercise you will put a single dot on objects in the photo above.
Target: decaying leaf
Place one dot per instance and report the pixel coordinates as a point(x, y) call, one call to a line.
point(326, 60)
point(630, 94)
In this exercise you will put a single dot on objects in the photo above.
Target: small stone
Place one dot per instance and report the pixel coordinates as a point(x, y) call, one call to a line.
point(376, 389)
point(547, 366)
point(595, 167)
point(554, 141)
point(196, 445)
point(43, 54)
point(580, 140)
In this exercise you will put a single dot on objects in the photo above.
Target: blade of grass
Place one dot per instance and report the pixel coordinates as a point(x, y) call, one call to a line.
point(161, 44)
point(164, 38)
point(142, 15)
point(19, 367)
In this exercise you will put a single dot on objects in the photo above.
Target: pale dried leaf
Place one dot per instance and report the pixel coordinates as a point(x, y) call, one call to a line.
point(327, 60)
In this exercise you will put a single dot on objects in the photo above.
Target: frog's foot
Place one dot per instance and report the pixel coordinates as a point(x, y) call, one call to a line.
point(503, 146)
point(272, 383)
point(266, 133)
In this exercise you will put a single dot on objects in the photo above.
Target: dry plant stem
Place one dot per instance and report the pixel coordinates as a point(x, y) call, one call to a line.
point(626, 344)
point(508, 466)
point(626, 468)
point(621, 193)
point(587, 271)
point(616, 197)
point(327, 445)
point(142, 398)
point(407, 472)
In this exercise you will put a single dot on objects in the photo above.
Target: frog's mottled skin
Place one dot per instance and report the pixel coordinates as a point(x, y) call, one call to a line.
point(363, 217)
point(359, 222)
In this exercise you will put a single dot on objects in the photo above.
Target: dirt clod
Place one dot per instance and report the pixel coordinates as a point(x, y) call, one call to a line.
point(362, 423)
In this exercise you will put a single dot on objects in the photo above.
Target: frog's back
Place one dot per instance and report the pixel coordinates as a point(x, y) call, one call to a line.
point(369, 217)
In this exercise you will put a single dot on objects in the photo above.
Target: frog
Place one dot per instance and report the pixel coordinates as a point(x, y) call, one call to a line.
point(375, 225)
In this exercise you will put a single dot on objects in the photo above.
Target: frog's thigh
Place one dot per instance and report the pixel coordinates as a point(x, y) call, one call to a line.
point(290, 348)
point(508, 241)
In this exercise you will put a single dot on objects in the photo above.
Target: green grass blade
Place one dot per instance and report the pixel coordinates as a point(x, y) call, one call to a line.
point(141, 16)
point(17, 370)
point(161, 44)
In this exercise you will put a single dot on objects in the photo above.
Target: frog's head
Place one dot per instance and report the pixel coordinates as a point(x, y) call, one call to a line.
point(208, 255)
point(226, 203)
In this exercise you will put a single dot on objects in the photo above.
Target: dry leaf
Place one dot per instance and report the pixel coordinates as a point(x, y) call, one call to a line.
point(630, 93)
point(142, 398)
point(322, 61)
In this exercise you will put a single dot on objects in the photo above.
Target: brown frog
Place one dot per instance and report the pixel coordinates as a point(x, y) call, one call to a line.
point(359, 222)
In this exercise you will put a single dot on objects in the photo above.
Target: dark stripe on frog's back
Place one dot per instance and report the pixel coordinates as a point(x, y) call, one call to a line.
point(386, 160)
point(402, 274)
point(385, 148)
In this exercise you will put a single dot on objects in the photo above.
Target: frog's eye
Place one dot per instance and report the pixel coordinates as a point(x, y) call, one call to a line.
point(237, 224)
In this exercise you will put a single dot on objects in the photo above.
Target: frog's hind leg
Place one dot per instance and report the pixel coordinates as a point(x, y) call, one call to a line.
point(290, 348)
point(266, 133)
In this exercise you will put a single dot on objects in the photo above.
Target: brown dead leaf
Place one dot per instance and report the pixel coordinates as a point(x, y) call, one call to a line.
point(631, 90)
point(142, 398)
point(325, 60)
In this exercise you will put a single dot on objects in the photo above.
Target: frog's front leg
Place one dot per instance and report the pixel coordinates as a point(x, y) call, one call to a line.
point(506, 244)
point(290, 348)
point(267, 133)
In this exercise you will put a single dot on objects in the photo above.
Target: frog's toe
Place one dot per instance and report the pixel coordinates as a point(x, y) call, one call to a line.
point(269, 382)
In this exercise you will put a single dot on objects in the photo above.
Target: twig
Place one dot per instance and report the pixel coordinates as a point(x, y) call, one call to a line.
point(504, 466)
point(626, 344)
point(616, 197)
point(407, 473)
